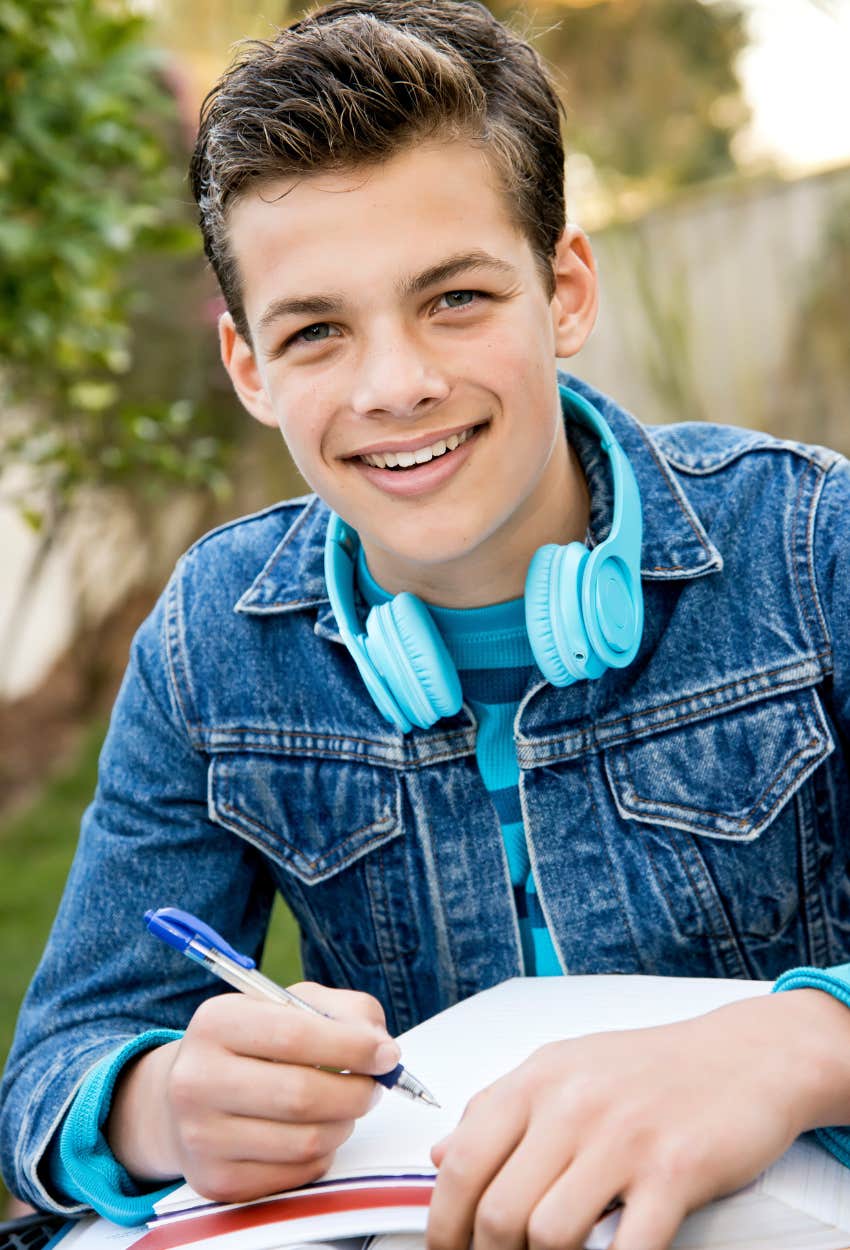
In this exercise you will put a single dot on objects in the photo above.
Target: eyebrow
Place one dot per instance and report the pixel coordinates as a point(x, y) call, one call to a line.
point(447, 269)
point(328, 304)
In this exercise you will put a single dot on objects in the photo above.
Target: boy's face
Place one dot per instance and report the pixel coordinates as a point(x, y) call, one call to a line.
point(397, 312)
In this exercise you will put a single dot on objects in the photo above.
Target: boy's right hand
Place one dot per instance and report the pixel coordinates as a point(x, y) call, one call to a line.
point(238, 1106)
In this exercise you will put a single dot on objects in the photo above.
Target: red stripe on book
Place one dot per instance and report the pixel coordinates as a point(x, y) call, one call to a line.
point(279, 1210)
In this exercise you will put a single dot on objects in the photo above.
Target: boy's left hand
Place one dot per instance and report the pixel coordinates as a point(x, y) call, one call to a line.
point(663, 1119)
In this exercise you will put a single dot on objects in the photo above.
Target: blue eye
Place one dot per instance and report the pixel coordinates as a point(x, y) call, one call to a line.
point(459, 299)
point(315, 333)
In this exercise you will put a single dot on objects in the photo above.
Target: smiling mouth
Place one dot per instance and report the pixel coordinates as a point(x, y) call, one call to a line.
point(401, 461)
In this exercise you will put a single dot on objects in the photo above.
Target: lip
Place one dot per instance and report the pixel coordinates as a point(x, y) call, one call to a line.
point(426, 440)
point(423, 478)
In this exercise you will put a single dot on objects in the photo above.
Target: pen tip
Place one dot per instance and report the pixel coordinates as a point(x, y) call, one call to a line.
point(429, 1099)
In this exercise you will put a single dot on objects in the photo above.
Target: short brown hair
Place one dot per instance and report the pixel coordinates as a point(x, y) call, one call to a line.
point(357, 81)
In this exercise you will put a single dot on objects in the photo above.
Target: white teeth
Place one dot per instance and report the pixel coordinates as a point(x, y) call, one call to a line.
point(405, 459)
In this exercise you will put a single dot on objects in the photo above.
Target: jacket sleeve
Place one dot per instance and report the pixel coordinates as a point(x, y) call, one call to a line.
point(146, 841)
point(831, 565)
point(831, 558)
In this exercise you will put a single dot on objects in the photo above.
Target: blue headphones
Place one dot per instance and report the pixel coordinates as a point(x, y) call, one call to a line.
point(583, 609)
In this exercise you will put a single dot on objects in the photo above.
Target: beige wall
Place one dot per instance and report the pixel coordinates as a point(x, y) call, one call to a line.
point(700, 306)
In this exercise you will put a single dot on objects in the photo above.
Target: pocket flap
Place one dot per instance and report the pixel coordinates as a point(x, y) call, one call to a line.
point(314, 816)
point(726, 776)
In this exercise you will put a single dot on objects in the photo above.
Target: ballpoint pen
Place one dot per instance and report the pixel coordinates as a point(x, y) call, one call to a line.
point(189, 935)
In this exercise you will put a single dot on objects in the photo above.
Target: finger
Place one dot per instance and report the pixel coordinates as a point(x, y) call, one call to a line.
point(472, 1156)
point(247, 1140)
point(341, 1004)
point(649, 1221)
point(504, 1209)
point(227, 1180)
point(573, 1203)
point(273, 1031)
point(288, 1093)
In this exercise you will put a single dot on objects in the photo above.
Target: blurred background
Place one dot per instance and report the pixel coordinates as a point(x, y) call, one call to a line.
point(709, 158)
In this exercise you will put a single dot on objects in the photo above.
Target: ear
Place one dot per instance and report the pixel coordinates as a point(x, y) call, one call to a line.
point(576, 298)
point(239, 361)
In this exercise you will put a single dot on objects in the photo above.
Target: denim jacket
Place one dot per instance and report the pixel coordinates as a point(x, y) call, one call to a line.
point(687, 815)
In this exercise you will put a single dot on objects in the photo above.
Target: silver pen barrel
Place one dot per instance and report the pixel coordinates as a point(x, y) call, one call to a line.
point(252, 982)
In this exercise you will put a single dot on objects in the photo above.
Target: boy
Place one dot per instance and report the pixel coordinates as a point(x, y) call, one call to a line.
point(380, 190)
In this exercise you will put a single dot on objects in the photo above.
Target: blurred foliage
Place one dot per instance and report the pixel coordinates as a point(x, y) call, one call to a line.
point(89, 193)
point(651, 88)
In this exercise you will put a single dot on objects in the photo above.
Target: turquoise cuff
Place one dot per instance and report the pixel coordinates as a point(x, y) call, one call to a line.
point(80, 1162)
point(834, 981)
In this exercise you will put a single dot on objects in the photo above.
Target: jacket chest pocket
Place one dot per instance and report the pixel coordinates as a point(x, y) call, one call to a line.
point(332, 830)
point(712, 801)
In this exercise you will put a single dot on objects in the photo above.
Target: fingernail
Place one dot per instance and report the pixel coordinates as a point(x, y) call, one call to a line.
point(387, 1056)
point(377, 1095)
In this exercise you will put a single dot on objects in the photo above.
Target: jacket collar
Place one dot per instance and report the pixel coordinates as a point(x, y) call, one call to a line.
point(675, 543)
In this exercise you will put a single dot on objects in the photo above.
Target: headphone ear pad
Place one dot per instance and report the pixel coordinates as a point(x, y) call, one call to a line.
point(405, 646)
point(553, 614)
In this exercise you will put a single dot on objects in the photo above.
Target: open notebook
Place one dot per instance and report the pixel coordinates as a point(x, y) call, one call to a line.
point(380, 1183)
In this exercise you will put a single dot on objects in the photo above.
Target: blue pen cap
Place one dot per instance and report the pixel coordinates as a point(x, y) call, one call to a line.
point(179, 928)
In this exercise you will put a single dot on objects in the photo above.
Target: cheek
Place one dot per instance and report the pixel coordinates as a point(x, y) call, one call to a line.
point(512, 362)
point(303, 440)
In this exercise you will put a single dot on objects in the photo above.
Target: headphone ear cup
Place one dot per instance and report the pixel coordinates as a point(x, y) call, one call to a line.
point(538, 624)
point(406, 648)
point(553, 614)
point(613, 608)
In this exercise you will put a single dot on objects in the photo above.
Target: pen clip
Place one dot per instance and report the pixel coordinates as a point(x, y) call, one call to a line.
point(179, 928)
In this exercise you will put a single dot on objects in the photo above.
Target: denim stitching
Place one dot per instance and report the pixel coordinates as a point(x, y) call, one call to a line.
point(380, 826)
point(810, 552)
point(711, 690)
point(612, 873)
point(313, 734)
point(172, 647)
point(380, 761)
point(600, 739)
point(727, 936)
point(707, 811)
point(281, 548)
point(705, 544)
point(775, 446)
point(798, 780)
point(656, 807)
point(801, 599)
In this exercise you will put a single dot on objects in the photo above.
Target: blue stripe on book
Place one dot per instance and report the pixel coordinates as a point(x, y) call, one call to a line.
point(507, 805)
point(495, 685)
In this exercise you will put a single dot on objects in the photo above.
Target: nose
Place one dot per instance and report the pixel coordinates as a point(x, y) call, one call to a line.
point(395, 376)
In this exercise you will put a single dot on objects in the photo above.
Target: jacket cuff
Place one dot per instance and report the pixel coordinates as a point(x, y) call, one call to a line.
point(80, 1163)
point(834, 981)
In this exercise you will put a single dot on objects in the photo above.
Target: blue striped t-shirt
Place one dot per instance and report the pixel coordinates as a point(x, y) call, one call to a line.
point(493, 657)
